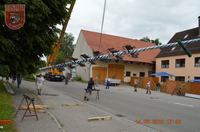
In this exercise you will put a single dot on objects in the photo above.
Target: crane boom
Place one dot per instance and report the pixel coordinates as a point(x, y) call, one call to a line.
point(57, 45)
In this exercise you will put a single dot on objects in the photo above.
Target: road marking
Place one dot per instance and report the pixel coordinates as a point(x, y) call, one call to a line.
point(183, 104)
point(57, 122)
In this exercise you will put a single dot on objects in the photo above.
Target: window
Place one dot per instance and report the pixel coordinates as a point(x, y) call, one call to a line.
point(165, 64)
point(197, 62)
point(196, 77)
point(128, 74)
point(150, 73)
point(134, 74)
point(164, 78)
point(180, 63)
point(180, 78)
point(142, 74)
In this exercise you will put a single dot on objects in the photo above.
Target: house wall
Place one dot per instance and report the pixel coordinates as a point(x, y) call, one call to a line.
point(99, 64)
point(82, 48)
point(134, 68)
point(189, 71)
point(86, 72)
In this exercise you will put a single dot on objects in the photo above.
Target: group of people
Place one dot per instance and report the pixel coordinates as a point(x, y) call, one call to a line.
point(15, 77)
point(148, 86)
point(91, 85)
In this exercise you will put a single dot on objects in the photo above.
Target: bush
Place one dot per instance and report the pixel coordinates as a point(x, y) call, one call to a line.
point(78, 79)
point(29, 77)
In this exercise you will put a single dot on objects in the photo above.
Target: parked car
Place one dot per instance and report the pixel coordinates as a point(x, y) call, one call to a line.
point(57, 78)
point(49, 76)
point(113, 82)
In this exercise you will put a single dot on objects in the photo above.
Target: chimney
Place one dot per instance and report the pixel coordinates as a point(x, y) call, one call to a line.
point(199, 25)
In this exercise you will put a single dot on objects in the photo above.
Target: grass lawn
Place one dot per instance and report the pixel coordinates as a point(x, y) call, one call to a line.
point(6, 109)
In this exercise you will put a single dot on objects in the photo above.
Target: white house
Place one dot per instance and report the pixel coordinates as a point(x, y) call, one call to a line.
point(140, 65)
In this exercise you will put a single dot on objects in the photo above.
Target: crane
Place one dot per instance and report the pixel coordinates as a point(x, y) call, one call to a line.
point(52, 57)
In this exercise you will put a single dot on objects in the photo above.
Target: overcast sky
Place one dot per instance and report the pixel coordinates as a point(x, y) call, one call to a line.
point(135, 18)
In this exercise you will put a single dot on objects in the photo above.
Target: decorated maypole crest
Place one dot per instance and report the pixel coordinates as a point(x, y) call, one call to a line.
point(15, 16)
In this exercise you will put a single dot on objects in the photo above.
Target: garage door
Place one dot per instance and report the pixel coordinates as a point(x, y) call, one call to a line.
point(116, 71)
point(99, 72)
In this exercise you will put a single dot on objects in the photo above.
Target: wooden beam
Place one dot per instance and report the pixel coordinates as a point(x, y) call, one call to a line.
point(68, 105)
point(100, 118)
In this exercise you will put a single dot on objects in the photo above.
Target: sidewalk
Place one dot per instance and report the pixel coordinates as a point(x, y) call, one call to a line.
point(71, 115)
point(30, 124)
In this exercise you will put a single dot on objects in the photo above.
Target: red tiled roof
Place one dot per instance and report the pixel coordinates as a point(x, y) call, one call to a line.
point(116, 42)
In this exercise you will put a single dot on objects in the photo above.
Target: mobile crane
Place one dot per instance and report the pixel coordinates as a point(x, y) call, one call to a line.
point(51, 58)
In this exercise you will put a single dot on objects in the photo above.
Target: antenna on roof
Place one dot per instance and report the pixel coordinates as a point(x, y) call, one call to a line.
point(102, 23)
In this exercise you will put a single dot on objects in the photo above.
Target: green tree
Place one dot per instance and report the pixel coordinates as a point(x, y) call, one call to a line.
point(155, 41)
point(145, 39)
point(66, 49)
point(40, 64)
point(21, 50)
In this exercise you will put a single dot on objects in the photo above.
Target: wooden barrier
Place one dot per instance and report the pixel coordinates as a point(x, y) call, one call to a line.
point(132, 82)
point(172, 87)
point(169, 86)
point(194, 88)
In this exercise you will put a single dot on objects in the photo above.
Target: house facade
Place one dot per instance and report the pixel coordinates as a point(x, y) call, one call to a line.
point(183, 68)
point(141, 65)
point(174, 60)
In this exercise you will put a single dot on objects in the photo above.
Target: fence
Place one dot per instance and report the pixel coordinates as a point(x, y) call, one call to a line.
point(171, 86)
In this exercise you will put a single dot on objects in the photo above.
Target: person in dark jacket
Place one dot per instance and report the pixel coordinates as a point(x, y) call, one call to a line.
point(19, 80)
point(89, 89)
point(107, 83)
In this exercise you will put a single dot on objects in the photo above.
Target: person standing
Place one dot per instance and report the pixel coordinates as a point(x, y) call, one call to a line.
point(136, 85)
point(19, 80)
point(89, 89)
point(148, 87)
point(96, 82)
point(66, 78)
point(39, 83)
point(107, 83)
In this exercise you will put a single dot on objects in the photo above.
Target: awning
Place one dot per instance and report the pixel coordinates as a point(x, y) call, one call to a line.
point(196, 80)
point(160, 74)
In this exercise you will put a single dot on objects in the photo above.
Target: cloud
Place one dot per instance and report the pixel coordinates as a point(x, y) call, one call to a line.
point(135, 18)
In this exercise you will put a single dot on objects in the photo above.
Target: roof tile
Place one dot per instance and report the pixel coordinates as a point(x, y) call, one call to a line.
point(116, 42)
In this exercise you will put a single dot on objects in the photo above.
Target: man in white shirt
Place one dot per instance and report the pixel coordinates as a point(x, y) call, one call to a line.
point(39, 83)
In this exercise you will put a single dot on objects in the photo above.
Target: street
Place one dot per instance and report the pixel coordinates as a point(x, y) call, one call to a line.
point(122, 101)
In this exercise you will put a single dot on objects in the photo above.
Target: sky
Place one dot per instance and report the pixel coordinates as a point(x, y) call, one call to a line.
point(135, 18)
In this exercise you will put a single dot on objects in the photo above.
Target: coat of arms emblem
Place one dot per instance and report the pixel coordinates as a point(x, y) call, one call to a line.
point(15, 16)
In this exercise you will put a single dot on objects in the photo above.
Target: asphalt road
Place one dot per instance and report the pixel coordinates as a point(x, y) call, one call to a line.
point(163, 112)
